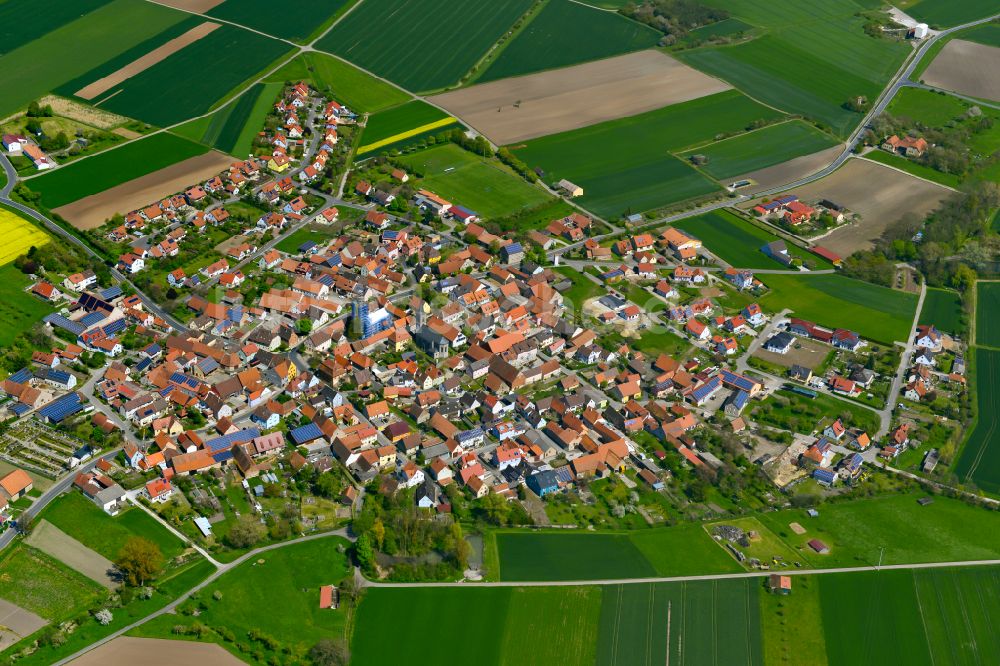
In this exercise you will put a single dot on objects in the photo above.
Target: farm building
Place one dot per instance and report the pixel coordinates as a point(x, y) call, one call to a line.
point(571, 189)
point(779, 584)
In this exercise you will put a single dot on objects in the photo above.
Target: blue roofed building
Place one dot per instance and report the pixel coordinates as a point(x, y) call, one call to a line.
point(306, 434)
point(542, 483)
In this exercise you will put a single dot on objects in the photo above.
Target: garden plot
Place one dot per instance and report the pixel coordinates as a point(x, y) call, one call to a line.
point(527, 107)
point(968, 68)
point(38, 449)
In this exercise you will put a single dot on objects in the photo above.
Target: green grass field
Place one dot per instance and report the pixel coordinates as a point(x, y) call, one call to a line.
point(19, 310)
point(485, 186)
point(877, 313)
point(296, 20)
point(567, 33)
point(926, 106)
point(682, 550)
point(114, 167)
point(22, 22)
point(988, 34)
point(792, 625)
point(81, 519)
point(236, 55)
point(738, 242)
point(980, 457)
point(636, 171)
point(42, 65)
point(346, 83)
point(36, 582)
point(988, 314)
point(233, 128)
point(724, 28)
point(946, 13)
point(913, 168)
point(402, 40)
point(762, 148)
point(945, 531)
point(814, 57)
point(943, 309)
point(399, 120)
point(291, 243)
point(552, 625)
point(807, 415)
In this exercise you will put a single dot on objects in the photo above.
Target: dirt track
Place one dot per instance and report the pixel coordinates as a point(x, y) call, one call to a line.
point(52, 541)
point(196, 6)
point(140, 65)
point(572, 97)
point(880, 194)
point(91, 212)
point(967, 68)
point(126, 651)
point(789, 171)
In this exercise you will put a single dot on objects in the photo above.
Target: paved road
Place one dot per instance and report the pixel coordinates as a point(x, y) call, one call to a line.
point(904, 365)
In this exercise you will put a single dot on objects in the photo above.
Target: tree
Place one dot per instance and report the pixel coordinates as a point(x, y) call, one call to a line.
point(329, 653)
point(245, 533)
point(140, 560)
point(378, 531)
point(104, 616)
point(303, 326)
point(496, 508)
point(366, 554)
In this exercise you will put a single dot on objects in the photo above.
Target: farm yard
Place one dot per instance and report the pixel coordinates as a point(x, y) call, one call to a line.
point(75, 48)
point(738, 242)
point(761, 148)
point(580, 96)
point(297, 20)
point(400, 40)
point(813, 58)
point(968, 68)
point(392, 126)
point(567, 33)
point(943, 309)
point(487, 187)
point(979, 460)
point(637, 171)
point(880, 195)
point(347, 84)
point(874, 312)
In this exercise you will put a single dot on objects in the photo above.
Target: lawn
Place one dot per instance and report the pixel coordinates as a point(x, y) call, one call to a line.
point(19, 310)
point(762, 148)
point(792, 625)
point(346, 83)
point(813, 58)
point(460, 621)
point(943, 309)
point(297, 20)
point(392, 125)
point(551, 625)
point(626, 165)
point(403, 40)
point(980, 457)
point(84, 521)
point(913, 168)
point(570, 555)
point(28, 72)
point(931, 108)
point(738, 242)
point(568, 33)
point(40, 584)
point(113, 167)
point(21, 22)
point(235, 55)
point(945, 531)
point(291, 244)
point(988, 314)
point(485, 186)
point(874, 312)
point(949, 12)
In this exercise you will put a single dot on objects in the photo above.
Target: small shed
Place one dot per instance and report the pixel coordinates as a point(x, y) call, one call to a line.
point(819, 546)
point(571, 189)
point(778, 584)
point(329, 597)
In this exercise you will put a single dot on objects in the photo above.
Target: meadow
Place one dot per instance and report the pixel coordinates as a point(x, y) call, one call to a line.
point(980, 457)
point(114, 167)
point(876, 313)
point(567, 33)
point(946, 13)
point(42, 65)
point(485, 186)
point(738, 242)
point(170, 92)
point(814, 57)
point(926, 106)
point(386, 127)
point(359, 91)
point(84, 521)
point(19, 235)
point(761, 148)
point(36, 582)
point(19, 310)
point(297, 20)
point(802, 640)
point(402, 40)
point(636, 170)
point(21, 22)
point(943, 309)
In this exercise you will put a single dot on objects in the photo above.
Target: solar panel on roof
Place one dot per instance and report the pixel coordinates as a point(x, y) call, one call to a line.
point(56, 319)
point(116, 326)
point(92, 318)
point(143, 364)
point(21, 376)
point(306, 433)
point(111, 292)
point(60, 409)
point(91, 302)
point(20, 408)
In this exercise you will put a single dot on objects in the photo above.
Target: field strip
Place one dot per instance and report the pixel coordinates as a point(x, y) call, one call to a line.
point(55, 543)
point(911, 175)
point(140, 65)
point(989, 433)
point(406, 135)
point(923, 620)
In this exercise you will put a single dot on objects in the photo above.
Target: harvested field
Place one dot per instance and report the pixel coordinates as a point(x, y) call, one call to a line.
point(197, 6)
point(87, 115)
point(52, 541)
point(574, 97)
point(967, 68)
point(881, 196)
point(16, 623)
point(91, 212)
point(790, 171)
point(139, 65)
point(156, 652)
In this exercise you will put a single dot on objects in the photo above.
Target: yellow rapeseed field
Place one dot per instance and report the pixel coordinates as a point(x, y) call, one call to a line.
point(17, 235)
